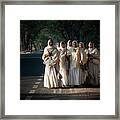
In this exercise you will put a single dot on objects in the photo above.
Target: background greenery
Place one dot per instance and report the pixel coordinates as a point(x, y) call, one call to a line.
point(35, 33)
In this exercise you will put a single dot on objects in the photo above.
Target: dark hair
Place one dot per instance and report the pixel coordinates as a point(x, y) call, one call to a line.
point(62, 42)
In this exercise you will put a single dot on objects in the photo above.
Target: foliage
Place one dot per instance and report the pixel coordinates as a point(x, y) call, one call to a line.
point(35, 33)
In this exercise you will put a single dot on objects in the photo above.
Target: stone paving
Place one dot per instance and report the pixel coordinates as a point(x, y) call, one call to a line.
point(31, 88)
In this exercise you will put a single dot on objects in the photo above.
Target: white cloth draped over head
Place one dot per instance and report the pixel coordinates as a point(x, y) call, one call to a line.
point(50, 57)
point(50, 60)
point(93, 65)
point(74, 67)
point(83, 54)
point(83, 60)
point(62, 56)
point(63, 65)
point(68, 43)
point(96, 55)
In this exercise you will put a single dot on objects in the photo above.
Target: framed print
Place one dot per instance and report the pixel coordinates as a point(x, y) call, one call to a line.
point(59, 59)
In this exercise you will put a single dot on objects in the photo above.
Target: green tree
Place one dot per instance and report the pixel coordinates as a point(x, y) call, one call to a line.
point(35, 33)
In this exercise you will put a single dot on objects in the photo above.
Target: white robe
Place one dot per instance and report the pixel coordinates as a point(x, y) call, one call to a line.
point(63, 66)
point(69, 53)
point(83, 73)
point(50, 75)
point(94, 66)
point(74, 69)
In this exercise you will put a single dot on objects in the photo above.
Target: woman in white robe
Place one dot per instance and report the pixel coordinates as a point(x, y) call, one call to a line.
point(74, 66)
point(50, 57)
point(69, 46)
point(93, 64)
point(69, 55)
point(83, 62)
point(63, 63)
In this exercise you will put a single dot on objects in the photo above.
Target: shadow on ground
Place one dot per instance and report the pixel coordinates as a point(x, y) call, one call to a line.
point(31, 88)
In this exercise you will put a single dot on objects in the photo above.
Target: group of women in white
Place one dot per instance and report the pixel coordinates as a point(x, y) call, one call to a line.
point(71, 64)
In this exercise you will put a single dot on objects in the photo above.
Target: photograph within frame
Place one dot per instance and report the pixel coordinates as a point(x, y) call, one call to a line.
point(75, 54)
point(107, 116)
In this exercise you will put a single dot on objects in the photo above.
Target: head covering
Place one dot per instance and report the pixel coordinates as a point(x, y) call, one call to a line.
point(75, 42)
point(91, 43)
point(69, 43)
point(81, 43)
point(62, 42)
point(50, 40)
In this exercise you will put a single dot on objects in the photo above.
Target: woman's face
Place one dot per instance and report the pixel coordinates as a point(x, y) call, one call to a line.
point(90, 45)
point(74, 44)
point(63, 45)
point(81, 45)
point(50, 42)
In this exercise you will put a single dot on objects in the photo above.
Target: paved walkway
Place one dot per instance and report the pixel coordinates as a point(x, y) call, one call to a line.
point(31, 88)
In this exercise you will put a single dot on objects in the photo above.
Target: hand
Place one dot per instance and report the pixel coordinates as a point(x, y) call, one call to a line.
point(46, 58)
point(50, 65)
point(81, 62)
point(46, 55)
